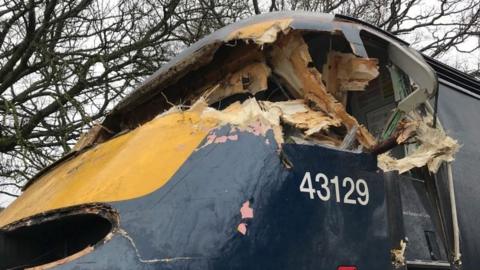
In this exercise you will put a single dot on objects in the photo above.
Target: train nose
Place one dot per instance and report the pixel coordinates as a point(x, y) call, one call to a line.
point(261, 164)
point(235, 203)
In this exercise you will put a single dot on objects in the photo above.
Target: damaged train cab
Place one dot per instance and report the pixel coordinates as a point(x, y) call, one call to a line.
point(284, 141)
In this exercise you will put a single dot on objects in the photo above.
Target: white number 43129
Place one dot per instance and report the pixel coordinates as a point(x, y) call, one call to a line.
point(356, 191)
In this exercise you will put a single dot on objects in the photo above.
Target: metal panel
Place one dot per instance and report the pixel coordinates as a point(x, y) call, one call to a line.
point(460, 114)
point(192, 222)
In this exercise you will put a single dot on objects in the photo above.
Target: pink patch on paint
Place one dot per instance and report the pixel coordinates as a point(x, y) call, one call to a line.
point(224, 139)
point(246, 210)
point(242, 228)
point(221, 139)
point(213, 138)
point(233, 137)
point(210, 139)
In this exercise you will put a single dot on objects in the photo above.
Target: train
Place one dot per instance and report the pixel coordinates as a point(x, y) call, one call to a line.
point(288, 140)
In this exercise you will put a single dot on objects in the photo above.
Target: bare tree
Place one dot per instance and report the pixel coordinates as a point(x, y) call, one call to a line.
point(64, 64)
point(436, 28)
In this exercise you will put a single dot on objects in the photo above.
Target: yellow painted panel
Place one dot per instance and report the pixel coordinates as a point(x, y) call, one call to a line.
point(126, 167)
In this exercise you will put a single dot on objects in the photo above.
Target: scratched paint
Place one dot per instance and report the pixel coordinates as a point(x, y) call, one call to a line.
point(247, 213)
point(246, 210)
point(278, 227)
point(213, 138)
point(242, 228)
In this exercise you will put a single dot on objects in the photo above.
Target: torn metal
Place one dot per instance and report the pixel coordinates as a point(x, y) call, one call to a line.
point(250, 79)
point(398, 255)
point(291, 60)
point(345, 72)
point(94, 135)
point(313, 109)
point(316, 102)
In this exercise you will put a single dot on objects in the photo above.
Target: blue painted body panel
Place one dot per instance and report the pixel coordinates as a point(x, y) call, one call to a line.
point(191, 223)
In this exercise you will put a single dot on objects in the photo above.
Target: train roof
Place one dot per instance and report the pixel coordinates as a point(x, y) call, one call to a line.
point(201, 52)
